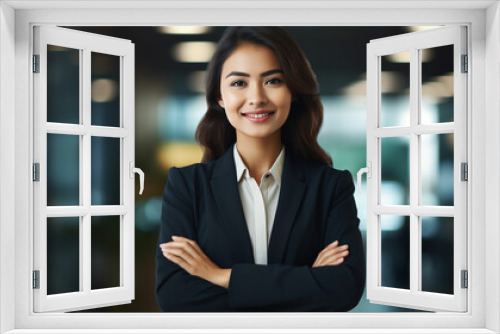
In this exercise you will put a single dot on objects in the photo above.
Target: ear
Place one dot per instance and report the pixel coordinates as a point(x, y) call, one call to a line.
point(221, 103)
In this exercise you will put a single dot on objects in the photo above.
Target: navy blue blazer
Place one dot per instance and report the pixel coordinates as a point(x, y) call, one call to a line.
point(316, 207)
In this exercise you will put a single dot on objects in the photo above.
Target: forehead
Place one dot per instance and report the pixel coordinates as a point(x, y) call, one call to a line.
point(251, 57)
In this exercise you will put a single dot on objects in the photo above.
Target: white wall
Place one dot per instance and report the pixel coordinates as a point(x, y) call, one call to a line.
point(7, 163)
point(492, 163)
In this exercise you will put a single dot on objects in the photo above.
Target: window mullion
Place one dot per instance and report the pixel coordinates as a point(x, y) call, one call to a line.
point(414, 169)
point(86, 168)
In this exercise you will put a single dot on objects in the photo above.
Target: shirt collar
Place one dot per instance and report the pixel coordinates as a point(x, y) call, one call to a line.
point(276, 170)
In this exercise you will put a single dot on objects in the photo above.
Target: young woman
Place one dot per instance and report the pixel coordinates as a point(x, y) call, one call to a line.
point(264, 223)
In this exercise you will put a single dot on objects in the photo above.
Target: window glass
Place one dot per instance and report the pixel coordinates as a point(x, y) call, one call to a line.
point(63, 255)
point(105, 171)
point(63, 170)
point(105, 89)
point(437, 254)
point(395, 234)
point(437, 174)
point(437, 85)
point(395, 89)
point(395, 169)
point(105, 251)
point(63, 85)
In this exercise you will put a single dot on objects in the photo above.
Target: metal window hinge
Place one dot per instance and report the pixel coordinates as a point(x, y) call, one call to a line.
point(36, 172)
point(464, 168)
point(465, 279)
point(36, 63)
point(36, 279)
point(465, 64)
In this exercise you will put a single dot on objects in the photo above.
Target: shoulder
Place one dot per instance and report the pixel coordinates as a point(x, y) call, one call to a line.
point(190, 173)
point(325, 173)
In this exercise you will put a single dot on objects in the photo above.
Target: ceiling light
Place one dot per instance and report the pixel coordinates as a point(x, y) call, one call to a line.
point(404, 57)
point(421, 28)
point(184, 30)
point(104, 90)
point(194, 52)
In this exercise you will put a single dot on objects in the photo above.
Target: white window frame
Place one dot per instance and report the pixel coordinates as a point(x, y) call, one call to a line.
point(86, 297)
point(414, 296)
point(16, 21)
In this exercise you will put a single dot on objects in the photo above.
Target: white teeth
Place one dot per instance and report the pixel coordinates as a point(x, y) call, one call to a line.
point(257, 115)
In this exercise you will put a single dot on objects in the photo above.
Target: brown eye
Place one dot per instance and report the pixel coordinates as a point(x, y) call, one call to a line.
point(238, 83)
point(274, 81)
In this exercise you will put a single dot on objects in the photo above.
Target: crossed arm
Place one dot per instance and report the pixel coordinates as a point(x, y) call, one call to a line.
point(189, 281)
point(189, 256)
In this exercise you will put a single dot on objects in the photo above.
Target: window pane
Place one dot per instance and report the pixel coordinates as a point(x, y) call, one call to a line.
point(395, 89)
point(437, 254)
point(437, 169)
point(105, 89)
point(63, 170)
point(437, 85)
point(395, 169)
point(395, 251)
point(63, 85)
point(63, 255)
point(106, 171)
point(105, 252)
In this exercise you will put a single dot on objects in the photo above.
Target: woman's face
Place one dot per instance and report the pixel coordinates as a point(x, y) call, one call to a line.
point(254, 93)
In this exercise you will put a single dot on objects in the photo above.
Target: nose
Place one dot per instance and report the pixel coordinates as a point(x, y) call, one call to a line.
point(257, 96)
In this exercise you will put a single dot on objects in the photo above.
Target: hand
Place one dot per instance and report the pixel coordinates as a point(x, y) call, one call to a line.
point(332, 255)
point(188, 255)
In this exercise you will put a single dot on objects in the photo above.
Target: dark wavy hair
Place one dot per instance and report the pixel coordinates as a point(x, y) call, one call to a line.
point(300, 132)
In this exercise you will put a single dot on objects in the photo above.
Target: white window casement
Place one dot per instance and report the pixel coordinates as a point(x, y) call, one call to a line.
point(73, 210)
point(418, 135)
point(473, 310)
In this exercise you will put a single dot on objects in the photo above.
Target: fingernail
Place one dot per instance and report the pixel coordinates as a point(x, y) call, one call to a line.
point(174, 237)
point(336, 241)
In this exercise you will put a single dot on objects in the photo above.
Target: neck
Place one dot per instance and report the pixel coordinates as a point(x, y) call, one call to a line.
point(259, 154)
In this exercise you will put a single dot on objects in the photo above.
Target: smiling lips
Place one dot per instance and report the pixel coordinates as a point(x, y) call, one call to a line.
point(258, 117)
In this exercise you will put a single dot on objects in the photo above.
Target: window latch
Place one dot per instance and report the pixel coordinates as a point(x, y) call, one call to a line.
point(368, 171)
point(141, 175)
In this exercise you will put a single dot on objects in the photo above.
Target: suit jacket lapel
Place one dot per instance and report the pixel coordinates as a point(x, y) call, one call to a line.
point(225, 190)
point(292, 190)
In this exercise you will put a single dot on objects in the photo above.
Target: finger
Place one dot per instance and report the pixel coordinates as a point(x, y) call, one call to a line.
point(330, 262)
point(332, 245)
point(327, 248)
point(332, 256)
point(333, 252)
point(182, 253)
point(178, 260)
point(335, 258)
point(193, 243)
point(187, 247)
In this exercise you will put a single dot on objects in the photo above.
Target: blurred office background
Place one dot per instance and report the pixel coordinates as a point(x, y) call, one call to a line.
point(170, 65)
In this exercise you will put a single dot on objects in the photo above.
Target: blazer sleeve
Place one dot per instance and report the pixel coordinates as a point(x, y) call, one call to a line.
point(301, 288)
point(177, 290)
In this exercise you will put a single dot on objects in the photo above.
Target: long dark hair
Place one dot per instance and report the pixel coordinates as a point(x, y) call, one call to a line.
point(300, 132)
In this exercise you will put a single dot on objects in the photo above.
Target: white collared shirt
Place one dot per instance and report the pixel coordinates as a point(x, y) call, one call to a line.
point(259, 202)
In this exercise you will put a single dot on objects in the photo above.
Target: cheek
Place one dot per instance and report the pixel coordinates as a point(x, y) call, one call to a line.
point(284, 102)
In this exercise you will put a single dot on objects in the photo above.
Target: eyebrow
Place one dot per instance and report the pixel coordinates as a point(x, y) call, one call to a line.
point(243, 74)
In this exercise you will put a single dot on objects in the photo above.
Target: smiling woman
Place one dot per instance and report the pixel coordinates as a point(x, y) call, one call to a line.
point(264, 223)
